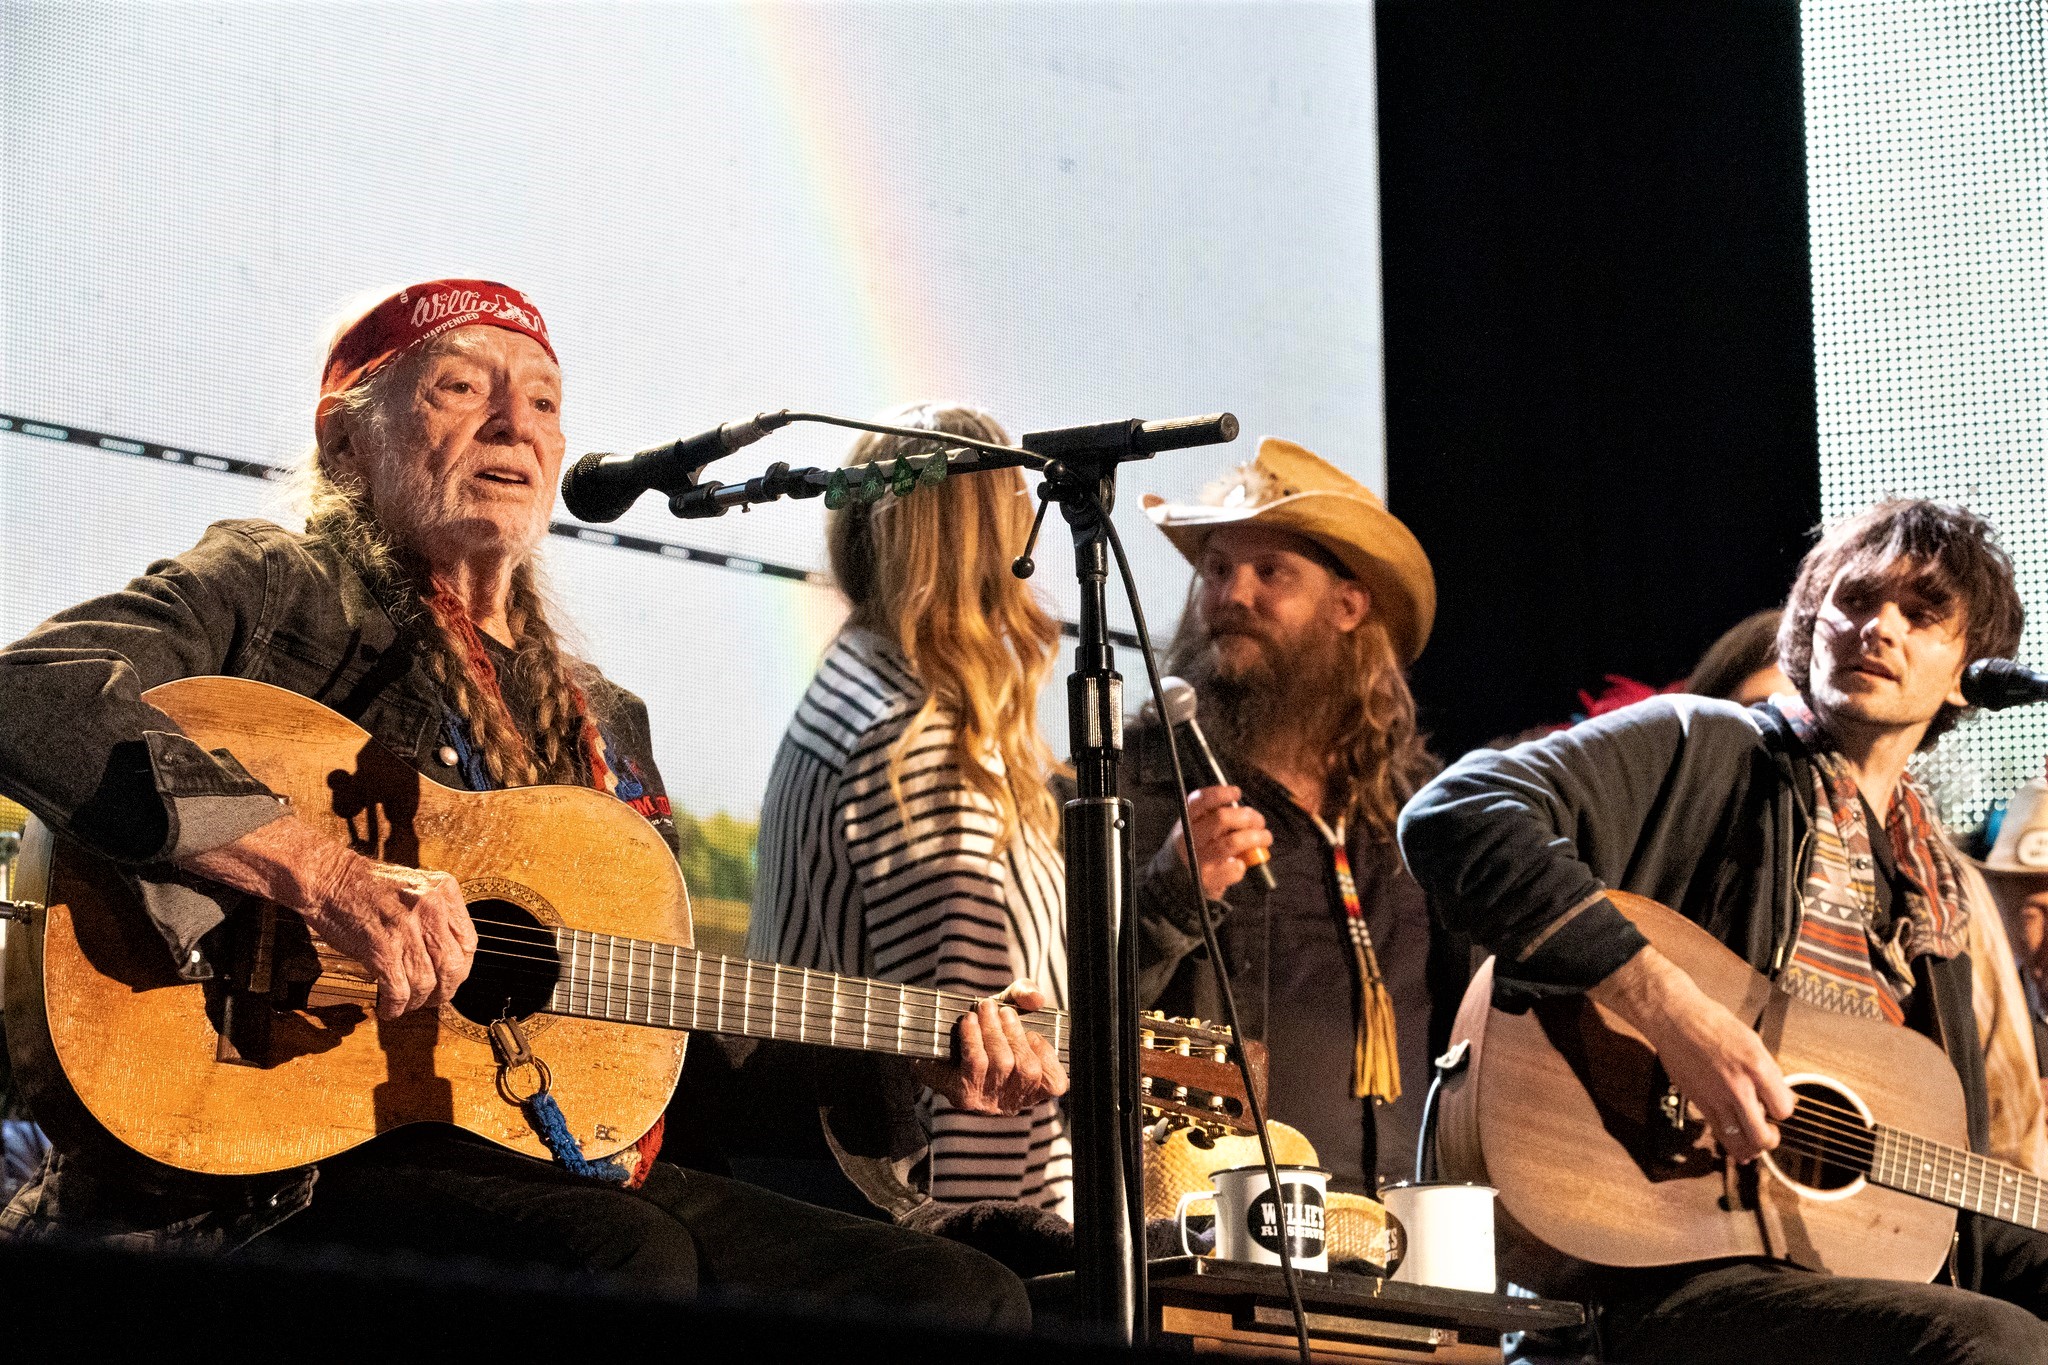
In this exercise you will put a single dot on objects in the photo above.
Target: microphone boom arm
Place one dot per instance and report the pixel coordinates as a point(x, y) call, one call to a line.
point(692, 498)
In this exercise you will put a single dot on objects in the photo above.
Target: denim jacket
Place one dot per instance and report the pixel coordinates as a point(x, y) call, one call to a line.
point(81, 749)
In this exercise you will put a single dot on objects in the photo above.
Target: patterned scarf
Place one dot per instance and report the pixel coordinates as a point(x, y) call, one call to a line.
point(1839, 961)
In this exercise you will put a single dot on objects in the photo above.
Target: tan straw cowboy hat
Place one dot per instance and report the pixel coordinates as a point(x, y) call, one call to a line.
point(1292, 489)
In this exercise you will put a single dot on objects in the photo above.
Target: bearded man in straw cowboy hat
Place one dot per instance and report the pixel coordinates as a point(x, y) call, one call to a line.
point(1309, 601)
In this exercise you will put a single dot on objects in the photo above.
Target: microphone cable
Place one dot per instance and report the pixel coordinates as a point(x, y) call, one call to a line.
point(1216, 964)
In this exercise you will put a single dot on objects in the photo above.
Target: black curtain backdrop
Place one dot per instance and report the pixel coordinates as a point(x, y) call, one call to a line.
point(1600, 378)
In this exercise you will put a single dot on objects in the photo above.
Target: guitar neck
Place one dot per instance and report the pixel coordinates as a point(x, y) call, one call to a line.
point(1957, 1178)
point(632, 981)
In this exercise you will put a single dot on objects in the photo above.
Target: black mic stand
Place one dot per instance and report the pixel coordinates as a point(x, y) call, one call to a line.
point(1102, 942)
point(1102, 955)
point(1079, 469)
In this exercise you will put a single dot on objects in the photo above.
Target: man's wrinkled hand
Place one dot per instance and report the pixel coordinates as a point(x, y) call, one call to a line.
point(410, 929)
point(998, 1066)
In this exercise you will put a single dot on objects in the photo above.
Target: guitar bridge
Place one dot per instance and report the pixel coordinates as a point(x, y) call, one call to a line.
point(1742, 1192)
point(269, 970)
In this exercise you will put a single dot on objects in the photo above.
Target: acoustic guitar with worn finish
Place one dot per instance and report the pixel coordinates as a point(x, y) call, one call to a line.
point(1600, 1162)
point(584, 971)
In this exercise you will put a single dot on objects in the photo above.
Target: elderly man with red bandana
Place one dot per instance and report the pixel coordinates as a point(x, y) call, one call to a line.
point(412, 605)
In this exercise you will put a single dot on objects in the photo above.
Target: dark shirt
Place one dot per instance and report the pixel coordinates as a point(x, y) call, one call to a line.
point(1291, 965)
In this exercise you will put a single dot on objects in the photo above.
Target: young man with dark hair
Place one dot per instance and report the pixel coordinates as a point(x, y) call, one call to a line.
point(1788, 830)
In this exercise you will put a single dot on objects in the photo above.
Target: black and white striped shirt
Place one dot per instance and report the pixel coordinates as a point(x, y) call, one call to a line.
point(852, 883)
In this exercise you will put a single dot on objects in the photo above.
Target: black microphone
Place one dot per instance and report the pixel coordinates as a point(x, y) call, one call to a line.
point(601, 487)
point(1180, 701)
point(1995, 684)
point(1132, 439)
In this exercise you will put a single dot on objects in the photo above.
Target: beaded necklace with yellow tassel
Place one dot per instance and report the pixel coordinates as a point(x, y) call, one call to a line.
point(1375, 1060)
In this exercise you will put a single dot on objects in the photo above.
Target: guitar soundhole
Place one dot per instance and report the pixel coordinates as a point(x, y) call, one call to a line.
point(1826, 1144)
point(516, 964)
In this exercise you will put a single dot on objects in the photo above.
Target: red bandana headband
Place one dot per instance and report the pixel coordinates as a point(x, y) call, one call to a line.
point(417, 315)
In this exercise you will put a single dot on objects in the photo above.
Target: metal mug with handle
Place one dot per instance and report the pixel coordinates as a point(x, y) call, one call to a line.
point(1249, 1220)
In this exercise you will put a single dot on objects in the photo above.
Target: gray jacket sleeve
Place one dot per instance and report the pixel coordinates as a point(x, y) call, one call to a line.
point(1518, 848)
point(79, 746)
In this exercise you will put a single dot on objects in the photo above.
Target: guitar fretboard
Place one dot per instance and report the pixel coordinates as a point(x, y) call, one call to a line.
point(1960, 1179)
point(632, 981)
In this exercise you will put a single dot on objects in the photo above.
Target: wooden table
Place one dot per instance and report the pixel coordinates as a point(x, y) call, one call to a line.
point(1238, 1309)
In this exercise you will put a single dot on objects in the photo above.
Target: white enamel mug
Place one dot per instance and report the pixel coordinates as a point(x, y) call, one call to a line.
point(1450, 1234)
point(1248, 1221)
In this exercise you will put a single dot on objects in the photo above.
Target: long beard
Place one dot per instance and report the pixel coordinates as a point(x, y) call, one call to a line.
point(1262, 709)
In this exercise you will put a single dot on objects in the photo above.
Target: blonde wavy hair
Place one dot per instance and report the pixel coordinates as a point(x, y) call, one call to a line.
point(569, 694)
point(931, 573)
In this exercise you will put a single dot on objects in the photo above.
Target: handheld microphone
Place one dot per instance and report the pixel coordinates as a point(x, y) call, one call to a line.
point(1179, 698)
point(601, 487)
point(1995, 684)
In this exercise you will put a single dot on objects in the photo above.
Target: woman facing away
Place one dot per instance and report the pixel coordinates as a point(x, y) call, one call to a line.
point(908, 832)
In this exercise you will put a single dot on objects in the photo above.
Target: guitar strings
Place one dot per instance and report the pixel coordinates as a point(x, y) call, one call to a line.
point(550, 966)
point(1817, 1130)
point(1862, 1160)
point(785, 1002)
point(1812, 1131)
point(550, 963)
point(1827, 1128)
point(812, 1015)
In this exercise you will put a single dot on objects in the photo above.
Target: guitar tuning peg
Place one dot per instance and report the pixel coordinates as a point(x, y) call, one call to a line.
point(1216, 1103)
point(1200, 1136)
point(1222, 1054)
point(1145, 1084)
point(1193, 1022)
